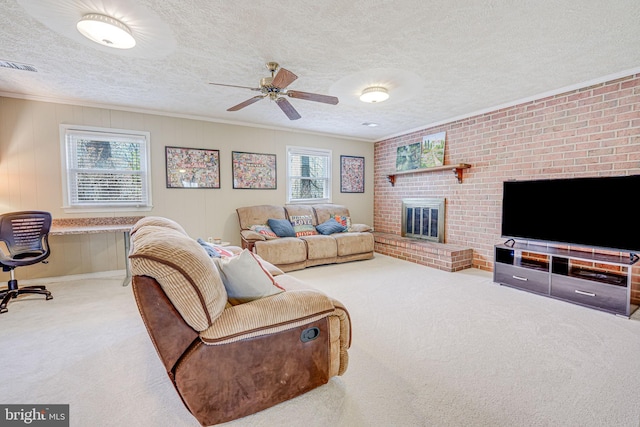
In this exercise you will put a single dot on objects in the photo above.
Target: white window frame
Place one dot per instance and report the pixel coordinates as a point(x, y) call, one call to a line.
point(70, 133)
point(306, 151)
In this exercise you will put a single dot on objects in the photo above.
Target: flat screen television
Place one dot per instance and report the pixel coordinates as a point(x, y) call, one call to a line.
point(597, 212)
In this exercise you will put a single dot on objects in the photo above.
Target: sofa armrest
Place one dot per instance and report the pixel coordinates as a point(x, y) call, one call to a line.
point(360, 228)
point(251, 236)
point(267, 315)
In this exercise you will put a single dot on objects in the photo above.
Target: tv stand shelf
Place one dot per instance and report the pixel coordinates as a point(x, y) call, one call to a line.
point(567, 274)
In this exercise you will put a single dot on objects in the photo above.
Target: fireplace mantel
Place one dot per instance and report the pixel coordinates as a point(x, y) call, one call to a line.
point(457, 171)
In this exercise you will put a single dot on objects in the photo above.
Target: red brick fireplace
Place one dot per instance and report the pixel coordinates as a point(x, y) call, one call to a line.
point(584, 132)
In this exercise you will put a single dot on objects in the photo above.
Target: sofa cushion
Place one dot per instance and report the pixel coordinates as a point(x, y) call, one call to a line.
point(282, 251)
point(252, 215)
point(282, 227)
point(303, 225)
point(184, 271)
point(320, 247)
point(353, 243)
point(301, 210)
point(324, 211)
point(330, 226)
point(245, 279)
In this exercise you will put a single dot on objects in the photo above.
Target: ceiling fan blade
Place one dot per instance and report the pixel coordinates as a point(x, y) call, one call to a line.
point(241, 87)
point(246, 103)
point(313, 97)
point(288, 109)
point(283, 78)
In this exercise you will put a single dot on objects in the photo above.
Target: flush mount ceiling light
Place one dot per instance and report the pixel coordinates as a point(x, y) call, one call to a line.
point(106, 30)
point(374, 94)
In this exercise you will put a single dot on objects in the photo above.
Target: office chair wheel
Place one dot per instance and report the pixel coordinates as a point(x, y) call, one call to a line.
point(7, 296)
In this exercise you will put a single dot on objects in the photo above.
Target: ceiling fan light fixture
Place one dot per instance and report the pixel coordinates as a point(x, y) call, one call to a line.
point(106, 31)
point(374, 94)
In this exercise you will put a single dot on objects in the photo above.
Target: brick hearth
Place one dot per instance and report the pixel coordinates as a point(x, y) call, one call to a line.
point(442, 256)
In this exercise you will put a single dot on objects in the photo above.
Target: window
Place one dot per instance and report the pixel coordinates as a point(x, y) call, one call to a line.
point(105, 168)
point(308, 175)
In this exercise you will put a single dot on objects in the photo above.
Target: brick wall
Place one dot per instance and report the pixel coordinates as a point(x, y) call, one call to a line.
point(594, 131)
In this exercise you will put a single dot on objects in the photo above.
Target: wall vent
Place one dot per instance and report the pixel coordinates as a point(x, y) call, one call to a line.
point(17, 66)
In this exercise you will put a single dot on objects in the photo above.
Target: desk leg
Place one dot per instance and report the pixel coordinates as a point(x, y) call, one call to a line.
point(127, 246)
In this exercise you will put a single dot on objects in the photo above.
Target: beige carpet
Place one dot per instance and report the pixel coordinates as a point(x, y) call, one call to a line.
point(429, 349)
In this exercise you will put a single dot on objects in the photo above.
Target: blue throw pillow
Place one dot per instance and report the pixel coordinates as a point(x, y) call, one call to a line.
point(282, 227)
point(330, 226)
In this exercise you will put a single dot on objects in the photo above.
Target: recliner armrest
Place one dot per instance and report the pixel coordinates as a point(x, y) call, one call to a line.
point(267, 315)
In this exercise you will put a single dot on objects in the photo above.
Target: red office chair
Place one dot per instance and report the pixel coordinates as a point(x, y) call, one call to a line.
point(26, 236)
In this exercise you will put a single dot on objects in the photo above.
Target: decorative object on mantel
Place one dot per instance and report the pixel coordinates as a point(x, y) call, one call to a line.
point(456, 169)
point(432, 154)
point(408, 157)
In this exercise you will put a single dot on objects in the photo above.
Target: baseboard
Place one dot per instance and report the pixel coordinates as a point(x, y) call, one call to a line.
point(116, 274)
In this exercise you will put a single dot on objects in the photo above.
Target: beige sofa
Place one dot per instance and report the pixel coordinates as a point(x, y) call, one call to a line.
point(294, 253)
point(228, 359)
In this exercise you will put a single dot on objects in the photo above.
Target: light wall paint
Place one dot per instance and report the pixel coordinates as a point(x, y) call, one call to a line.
point(30, 176)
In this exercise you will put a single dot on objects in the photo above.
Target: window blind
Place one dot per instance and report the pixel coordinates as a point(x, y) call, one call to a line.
point(309, 174)
point(106, 169)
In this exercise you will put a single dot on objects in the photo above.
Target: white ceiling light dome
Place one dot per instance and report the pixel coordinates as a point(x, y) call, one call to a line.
point(374, 94)
point(106, 31)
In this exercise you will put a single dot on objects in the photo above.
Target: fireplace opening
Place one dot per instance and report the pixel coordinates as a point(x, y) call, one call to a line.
point(423, 219)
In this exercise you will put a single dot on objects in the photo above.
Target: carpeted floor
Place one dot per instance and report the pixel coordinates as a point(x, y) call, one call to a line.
point(430, 348)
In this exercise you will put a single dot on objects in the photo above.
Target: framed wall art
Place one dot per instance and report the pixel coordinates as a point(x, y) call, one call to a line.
point(254, 170)
point(192, 167)
point(432, 153)
point(351, 174)
point(408, 157)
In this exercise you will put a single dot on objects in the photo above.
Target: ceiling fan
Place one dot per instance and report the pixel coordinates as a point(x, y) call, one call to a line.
point(274, 88)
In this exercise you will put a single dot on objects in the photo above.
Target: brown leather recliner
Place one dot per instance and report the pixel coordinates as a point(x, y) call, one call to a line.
point(228, 361)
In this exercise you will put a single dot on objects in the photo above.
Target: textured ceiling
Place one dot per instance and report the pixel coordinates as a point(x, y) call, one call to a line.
point(440, 59)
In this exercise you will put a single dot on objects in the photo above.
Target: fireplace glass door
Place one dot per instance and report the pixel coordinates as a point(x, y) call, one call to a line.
point(424, 219)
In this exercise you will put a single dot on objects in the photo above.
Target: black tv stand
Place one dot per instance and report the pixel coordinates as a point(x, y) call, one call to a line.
point(567, 274)
point(599, 276)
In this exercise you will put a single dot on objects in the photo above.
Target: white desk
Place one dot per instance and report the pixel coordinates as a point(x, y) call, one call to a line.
point(61, 227)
